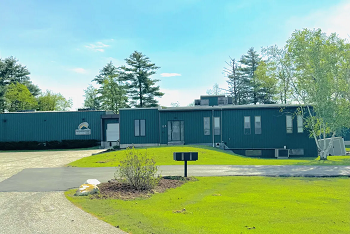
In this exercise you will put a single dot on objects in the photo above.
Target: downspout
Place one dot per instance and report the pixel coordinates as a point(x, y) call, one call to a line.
point(101, 131)
point(221, 126)
point(212, 126)
point(160, 129)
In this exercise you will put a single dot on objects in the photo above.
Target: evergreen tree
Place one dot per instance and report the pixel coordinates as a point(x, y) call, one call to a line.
point(112, 94)
point(257, 92)
point(105, 72)
point(238, 83)
point(12, 72)
point(141, 88)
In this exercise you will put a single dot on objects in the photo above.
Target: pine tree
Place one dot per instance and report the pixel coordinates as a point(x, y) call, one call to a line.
point(141, 88)
point(238, 83)
point(257, 92)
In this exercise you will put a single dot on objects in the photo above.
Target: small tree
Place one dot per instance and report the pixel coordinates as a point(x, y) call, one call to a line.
point(138, 170)
point(321, 80)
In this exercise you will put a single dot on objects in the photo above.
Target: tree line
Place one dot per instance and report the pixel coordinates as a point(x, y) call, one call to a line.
point(312, 70)
point(18, 93)
point(126, 86)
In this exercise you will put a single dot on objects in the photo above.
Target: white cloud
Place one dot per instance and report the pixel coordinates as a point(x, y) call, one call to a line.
point(331, 20)
point(97, 46)
point(170, 74)
point(79, 70)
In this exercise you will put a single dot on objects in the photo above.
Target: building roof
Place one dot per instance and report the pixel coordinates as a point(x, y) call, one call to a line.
point(224, 107)
point(227, 107)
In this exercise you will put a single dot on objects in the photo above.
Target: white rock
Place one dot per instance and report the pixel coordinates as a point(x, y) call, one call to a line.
point(86, 189)
point(92, 181)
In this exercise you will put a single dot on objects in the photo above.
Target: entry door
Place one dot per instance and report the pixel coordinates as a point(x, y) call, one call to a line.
point(175, 130)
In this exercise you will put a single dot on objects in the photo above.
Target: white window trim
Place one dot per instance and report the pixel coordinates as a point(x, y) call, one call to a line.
point(250, 126)
point(206, 129)
point(255, 124)
point(291, 128)
point(300, 124)
point(217, 133)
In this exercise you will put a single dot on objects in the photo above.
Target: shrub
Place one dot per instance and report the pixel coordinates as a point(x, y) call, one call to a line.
point(138, 170)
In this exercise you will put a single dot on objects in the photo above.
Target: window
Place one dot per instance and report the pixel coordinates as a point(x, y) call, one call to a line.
point(216, 125)
point(204, 102)
point(253, 153)
point(300, 124)
point(246, 125)
point(140, 127)
point(206, 126)
point(257, 124)
point(289, 124)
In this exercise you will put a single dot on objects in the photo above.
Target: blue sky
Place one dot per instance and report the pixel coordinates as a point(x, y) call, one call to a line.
point(64, 44)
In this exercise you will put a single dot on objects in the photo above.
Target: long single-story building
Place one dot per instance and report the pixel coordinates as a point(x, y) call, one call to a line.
point(252, 130)
point(53, 127)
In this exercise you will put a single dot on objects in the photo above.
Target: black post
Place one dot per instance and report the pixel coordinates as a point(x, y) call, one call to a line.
point(185, 168)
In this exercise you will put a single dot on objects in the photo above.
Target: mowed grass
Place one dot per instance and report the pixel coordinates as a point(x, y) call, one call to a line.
point(207, 156)
point(233, 205)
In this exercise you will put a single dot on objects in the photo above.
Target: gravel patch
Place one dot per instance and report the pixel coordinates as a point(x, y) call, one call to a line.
point(43, 212)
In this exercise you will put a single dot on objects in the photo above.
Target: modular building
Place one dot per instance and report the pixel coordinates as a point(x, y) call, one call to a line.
point(51, 126)
point(252, 130)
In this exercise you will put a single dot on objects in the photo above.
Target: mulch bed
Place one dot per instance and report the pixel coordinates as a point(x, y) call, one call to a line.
point(118, 190)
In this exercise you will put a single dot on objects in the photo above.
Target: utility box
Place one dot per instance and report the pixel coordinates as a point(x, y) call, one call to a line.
point(338, 147)
point(185, 156)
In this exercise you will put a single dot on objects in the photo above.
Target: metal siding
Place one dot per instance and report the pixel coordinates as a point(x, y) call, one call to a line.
point(213, 101)
point(127, 118)
point(273, 127)
point(194, 125)
point(48, 126)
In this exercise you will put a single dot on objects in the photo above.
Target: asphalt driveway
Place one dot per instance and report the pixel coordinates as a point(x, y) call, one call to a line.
point(43, 212)
point(61, 179)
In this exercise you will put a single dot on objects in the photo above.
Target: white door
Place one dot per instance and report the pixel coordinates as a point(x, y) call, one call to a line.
point(112, 133)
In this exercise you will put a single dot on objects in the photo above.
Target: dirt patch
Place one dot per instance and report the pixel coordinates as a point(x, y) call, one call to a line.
point(118, 190)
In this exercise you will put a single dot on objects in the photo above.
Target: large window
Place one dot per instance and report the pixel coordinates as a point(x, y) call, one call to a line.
point(300, 124)
point(257, 124)
point(206, 126)
point(216, 125)
point(247, 125)
point(140, 127)
point(289, 123)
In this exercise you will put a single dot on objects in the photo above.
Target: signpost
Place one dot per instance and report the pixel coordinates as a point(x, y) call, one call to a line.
point(185, 156)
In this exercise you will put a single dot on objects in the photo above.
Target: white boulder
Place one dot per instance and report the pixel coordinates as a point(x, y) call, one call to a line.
point(92, 181)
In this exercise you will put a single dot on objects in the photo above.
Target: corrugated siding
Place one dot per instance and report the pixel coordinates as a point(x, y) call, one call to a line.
point(273, 127)
point(127, 128)
point(347, 136)
point(193, 125)
point(48, 126)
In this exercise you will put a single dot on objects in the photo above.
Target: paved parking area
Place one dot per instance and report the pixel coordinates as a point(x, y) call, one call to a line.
point(43, 212)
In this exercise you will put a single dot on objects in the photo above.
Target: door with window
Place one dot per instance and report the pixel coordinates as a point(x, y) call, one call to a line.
point(175, 130)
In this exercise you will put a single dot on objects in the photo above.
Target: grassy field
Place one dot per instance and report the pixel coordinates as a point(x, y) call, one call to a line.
point(233, 205)
point(207, 156)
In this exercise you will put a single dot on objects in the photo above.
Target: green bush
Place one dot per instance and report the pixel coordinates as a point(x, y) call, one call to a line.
point(138, 170)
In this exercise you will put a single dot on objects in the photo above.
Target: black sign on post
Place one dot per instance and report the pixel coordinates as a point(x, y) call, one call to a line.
point(185, 156)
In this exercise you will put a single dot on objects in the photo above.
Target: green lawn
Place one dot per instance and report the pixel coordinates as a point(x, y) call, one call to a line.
point(233, 205)
point(207, 156)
